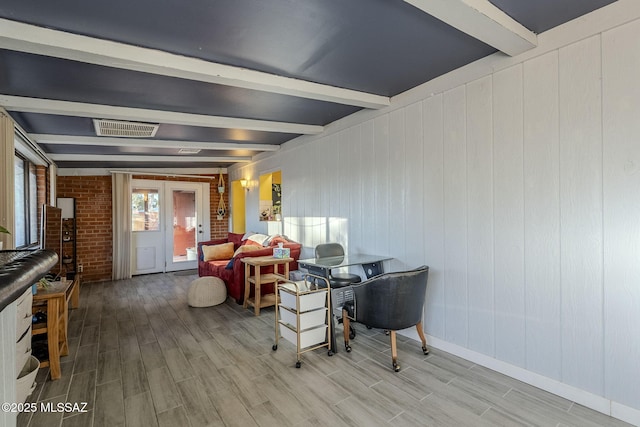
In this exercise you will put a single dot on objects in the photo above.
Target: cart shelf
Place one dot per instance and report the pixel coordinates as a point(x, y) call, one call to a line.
point(303, 317)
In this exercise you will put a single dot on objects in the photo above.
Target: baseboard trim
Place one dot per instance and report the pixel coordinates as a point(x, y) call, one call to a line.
point(582, 397)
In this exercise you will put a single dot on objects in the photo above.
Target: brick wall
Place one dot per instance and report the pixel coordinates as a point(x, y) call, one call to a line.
point(94, 218)
point(93, 223)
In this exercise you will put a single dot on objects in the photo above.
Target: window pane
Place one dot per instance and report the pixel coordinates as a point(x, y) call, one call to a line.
point(33, 204)
point(20, 191)
point(184, 224)
point(145, 209)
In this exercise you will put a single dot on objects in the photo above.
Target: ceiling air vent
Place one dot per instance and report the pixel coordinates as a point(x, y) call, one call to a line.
point(125, 129)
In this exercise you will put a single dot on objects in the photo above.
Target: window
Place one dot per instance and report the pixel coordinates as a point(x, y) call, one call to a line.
point(145, 209)
point(26, 202)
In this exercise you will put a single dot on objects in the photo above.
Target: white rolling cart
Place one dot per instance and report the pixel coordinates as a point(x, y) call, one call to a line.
point(303, 317)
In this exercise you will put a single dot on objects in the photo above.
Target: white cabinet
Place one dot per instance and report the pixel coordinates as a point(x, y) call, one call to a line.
point(26, 365)
point(302, 317)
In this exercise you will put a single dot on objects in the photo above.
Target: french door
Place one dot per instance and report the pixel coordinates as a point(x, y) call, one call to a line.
point(169, 218)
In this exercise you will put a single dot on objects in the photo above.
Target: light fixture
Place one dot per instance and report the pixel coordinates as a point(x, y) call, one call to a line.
point(244, 184)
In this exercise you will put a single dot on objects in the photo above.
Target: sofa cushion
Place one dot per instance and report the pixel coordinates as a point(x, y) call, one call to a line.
point(223, 251)
point(218, 269)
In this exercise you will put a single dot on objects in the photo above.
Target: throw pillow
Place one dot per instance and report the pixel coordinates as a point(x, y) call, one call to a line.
point(247, 248)
point(248, 234)
point(277, 239)
point(241, 249)
point(258, 238)
point(217, 252)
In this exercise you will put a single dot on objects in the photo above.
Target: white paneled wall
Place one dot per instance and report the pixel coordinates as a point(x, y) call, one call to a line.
point(508, 215)
point(542, 215)
point(480, 225)
point(521, 190)
point(581, 210)
point(621, 213)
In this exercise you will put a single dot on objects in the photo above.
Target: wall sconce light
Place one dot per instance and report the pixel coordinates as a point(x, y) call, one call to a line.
point(244, 184)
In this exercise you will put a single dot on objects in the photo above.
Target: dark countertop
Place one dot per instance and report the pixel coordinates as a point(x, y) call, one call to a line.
point(20, 269)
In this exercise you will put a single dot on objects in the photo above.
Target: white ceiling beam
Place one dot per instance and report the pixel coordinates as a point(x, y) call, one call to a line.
point(147, 159)
point(147, 143)
point(482, 20)
point(174, 171)
point(81, 109)
point(43, 41)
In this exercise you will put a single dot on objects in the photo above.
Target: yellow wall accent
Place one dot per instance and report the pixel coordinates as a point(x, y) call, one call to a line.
point(238, 216)
point(265, 186)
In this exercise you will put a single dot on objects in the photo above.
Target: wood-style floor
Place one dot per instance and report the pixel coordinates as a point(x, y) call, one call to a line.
point(141, 357)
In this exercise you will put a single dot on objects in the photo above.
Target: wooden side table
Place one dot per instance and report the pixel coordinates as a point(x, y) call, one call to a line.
point(56, 301)
point(259, 301)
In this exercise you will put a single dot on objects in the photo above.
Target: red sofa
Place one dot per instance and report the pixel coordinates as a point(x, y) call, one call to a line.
point(234, 277)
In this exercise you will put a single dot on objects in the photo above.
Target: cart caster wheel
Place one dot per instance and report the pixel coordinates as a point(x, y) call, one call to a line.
point(298, 364)
point(347, 348)
point(274, 348)
point(330, 353)
point(396, 367)
point(425, 350)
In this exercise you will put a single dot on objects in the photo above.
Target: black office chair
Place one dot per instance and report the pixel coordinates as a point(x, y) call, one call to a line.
point(336, 280)
point(391, 301)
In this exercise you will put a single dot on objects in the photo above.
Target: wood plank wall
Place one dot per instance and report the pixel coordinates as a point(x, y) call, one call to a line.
point(520, 190)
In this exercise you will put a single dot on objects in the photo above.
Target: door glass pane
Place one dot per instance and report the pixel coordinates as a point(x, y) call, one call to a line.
point(145, 209)
point(184, 225)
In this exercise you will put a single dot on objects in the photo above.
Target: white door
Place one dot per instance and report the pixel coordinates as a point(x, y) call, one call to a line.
point(168, 219)
point(147, 227)
point(187, 208)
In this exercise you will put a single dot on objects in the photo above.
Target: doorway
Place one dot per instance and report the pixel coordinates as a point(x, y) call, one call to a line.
point(169, 218)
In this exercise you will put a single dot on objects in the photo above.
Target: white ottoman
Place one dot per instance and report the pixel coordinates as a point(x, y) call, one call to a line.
point(206, 291)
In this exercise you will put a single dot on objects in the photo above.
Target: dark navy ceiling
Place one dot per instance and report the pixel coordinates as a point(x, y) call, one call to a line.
point(378, 47)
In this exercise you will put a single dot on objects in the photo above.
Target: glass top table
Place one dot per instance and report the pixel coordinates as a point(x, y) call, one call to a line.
point(372, 264)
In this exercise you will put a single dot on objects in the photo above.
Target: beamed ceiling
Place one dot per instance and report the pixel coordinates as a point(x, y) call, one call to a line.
point(234, 78)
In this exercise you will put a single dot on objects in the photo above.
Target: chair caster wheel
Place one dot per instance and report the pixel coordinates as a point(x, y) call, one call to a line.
point(298, 364)
point(396, 367)
point(347, 348)
point(330, 353)
point(274, 348)
point(425, 350)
